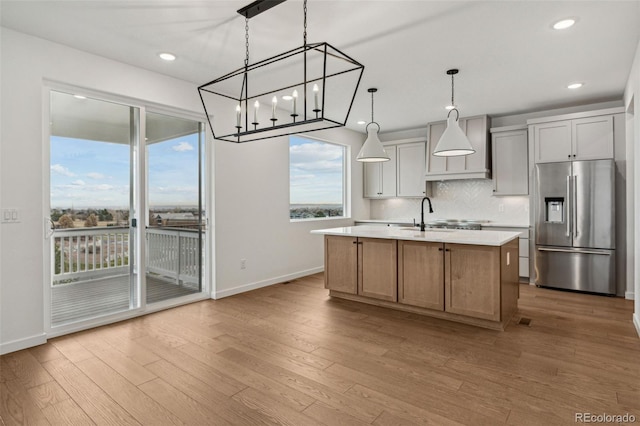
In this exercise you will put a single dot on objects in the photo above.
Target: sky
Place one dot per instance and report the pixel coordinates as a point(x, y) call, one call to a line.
point(315, 171)
point(92, 174)
point(96, 174)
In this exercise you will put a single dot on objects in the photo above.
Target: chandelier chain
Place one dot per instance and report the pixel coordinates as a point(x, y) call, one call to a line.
point(246, 41)
point(304, 34)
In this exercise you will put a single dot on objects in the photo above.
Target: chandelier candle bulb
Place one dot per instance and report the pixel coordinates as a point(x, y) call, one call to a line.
point(274, 103)
point(238, 114)
point(295, 101)
point(315, 97)
point(256, 107)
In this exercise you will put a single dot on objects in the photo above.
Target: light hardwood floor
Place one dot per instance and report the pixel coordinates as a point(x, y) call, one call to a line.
point(288, 354)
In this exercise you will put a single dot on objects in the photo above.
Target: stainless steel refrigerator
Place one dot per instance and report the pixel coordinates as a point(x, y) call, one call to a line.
point(575, 226)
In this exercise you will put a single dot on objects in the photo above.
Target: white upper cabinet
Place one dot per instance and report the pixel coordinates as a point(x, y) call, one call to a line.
point(401, 176)
point(380, 178)
point(510, 160)
point(410, 174)
point(472, 166)
point(587, 138)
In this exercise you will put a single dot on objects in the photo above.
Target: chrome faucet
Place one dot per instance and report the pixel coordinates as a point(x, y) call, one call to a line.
point(422, 225)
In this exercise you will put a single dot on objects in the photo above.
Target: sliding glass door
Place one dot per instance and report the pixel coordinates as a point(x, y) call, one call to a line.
point(175, 225)
point(91, 193)
point(113, 180)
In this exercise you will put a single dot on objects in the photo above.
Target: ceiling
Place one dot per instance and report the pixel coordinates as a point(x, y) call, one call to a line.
point(510, 59)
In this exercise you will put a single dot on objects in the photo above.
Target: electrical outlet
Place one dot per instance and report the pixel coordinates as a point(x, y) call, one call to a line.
point(501, 208)
point(243, 263)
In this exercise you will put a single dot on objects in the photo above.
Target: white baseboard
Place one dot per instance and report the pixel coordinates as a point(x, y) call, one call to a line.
point(20, 344)
point(629, 295)
point(636, 322)
point(253, 286)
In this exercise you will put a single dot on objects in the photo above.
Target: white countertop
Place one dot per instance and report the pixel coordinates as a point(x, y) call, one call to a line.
point(485, 223)
point(455, 236)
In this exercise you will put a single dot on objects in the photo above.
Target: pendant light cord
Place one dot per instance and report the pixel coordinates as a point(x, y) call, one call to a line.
point(452, 103)
point(372, 107)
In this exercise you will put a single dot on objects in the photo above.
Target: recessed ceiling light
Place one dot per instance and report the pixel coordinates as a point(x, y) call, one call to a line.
point(167, 56)
point(361, 122)
point(287, 97)
point(564, 24)
point(449, 107)
point(575, 86)
point(79, 97)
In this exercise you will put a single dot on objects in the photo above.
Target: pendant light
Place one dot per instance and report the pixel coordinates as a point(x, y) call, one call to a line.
point(317, 82)
point(372, 150)
point(453, 141)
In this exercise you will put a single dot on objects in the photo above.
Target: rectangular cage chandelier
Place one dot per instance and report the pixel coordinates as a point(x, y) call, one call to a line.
point(309, 88)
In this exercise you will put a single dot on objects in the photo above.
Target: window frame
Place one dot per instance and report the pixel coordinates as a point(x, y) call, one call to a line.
point(346, 180)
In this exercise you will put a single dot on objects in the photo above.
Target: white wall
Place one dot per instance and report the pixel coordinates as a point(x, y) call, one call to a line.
point(252, 180)
point(252, 214)
point(26, 62)
point(632, 94)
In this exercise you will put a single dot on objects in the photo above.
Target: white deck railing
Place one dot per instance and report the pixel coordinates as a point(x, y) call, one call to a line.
point(174, 253)
point(89, 253)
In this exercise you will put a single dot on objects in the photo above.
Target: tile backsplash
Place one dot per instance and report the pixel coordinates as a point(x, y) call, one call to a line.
point(458, 199)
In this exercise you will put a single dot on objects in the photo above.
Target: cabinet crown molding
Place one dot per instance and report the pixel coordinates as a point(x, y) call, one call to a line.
point(576, 115)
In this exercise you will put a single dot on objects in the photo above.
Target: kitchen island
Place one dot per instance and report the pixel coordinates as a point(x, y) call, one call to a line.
point(458, 275)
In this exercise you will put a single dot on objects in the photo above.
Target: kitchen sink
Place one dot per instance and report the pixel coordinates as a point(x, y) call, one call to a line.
point(416, 229)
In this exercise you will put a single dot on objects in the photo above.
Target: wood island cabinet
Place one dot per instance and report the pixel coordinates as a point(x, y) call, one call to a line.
point(472, 280)
point(363, 266)
point(341, 264)
point(474, 284)
point(377, 268)
point(421, 274)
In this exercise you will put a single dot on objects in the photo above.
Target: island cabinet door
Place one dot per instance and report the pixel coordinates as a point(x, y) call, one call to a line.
point(472, 280)
point(341, 264)
point(421, 274)
point(378, 268)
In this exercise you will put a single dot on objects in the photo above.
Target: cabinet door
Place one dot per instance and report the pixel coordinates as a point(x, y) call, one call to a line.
point(592, 138)
point(372, 180)
point(411, 166)
point(421, 274)
point(377, 268)
point(341, 264)
point(510, 163)
point(552, 141)
point(435, 164)
point(472, 280)
point(388, 170)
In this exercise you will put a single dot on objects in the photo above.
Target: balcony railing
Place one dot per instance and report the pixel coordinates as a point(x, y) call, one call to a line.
point(174, 253)
point(91, 253)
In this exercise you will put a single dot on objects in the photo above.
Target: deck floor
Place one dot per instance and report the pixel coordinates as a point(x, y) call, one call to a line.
point(91, 298)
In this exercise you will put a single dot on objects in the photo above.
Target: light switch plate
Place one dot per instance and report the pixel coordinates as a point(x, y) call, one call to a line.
point(10, 216)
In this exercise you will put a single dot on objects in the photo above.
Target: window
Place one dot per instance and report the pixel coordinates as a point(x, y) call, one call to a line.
point(317, 176)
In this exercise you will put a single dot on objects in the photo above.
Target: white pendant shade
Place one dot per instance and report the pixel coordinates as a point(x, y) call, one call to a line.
point(453, 141)
point(372, 150)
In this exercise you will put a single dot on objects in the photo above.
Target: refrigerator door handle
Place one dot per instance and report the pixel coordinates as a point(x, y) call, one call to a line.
point(569, 210)
point(606, 253)
point(574, 208)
